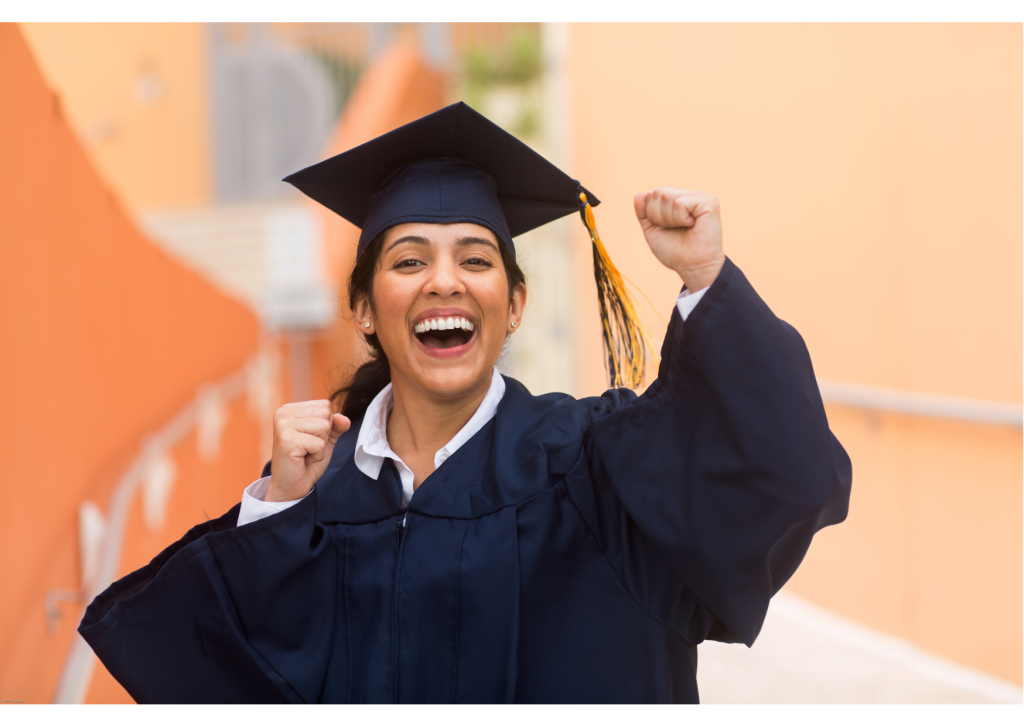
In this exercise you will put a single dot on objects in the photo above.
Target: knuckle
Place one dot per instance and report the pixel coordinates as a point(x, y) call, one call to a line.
point(315, 452)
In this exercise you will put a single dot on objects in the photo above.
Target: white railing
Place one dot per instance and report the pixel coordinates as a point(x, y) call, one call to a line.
point(152, 471)
point(921, 404)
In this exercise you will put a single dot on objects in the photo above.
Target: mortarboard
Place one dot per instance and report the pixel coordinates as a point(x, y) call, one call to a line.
point(454, 165)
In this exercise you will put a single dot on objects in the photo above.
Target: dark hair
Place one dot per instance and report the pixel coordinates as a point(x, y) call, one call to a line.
point(371, 377)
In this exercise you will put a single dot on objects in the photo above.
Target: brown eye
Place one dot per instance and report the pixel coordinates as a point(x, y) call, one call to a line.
point(478, 261)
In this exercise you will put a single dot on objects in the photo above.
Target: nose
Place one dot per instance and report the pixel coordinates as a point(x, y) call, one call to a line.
point(444, 280)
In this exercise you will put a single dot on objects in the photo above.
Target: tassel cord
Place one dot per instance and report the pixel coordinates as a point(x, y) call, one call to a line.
point(625, 340)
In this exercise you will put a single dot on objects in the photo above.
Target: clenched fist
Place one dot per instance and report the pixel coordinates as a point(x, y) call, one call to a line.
point(304, 438)
point(684, 231)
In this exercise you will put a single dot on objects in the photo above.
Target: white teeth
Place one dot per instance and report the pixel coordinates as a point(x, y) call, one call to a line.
point(443, 324)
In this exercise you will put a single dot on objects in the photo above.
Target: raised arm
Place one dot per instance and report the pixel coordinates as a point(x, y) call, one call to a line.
point(708, 488)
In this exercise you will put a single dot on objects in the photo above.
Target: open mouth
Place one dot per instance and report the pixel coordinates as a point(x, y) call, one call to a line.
point(444, 333)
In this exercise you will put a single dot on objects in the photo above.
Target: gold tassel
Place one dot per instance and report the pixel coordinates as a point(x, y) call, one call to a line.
point(625, 340)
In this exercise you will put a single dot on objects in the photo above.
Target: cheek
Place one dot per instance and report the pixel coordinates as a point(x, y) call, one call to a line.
point(493, 302)
point(393, 299)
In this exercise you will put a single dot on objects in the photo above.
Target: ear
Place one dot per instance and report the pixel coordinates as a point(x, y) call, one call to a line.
point(517, 308)
point(363, 315)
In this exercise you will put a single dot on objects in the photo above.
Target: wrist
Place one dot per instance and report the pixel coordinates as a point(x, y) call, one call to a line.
point(698, 277)
point(277, 493)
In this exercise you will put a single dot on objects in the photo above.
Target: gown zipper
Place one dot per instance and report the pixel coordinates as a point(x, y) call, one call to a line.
point(394, 608)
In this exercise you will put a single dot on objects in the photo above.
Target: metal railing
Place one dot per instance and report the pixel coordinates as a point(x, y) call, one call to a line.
point(102, 537)
point(930, 405)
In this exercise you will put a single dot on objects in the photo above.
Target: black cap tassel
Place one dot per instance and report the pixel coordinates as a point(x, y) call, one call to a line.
point(625, 341)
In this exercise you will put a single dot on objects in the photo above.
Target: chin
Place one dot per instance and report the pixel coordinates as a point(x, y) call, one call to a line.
point(450, 381)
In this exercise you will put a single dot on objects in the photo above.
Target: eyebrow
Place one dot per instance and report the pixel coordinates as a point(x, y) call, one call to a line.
point(412, 239)
point(462, 242)
point(467, 241)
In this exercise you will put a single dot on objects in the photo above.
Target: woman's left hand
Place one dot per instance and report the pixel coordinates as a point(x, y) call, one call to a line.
point(684, 230)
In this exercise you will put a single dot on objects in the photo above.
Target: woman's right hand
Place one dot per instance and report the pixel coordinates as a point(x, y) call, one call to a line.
point(304, 438)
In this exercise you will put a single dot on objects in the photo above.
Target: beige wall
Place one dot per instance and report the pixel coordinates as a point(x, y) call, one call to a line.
point(137, 96)
point(870, 181)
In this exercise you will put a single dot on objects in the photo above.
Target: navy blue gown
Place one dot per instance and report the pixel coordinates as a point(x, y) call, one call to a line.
point(571, 551)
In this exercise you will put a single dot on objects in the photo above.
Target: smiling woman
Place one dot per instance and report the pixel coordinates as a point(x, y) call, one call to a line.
point(353, 398)
point(446, 535)
point(430, 293)
point(419, 265)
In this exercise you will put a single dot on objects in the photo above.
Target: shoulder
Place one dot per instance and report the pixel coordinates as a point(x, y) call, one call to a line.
point(552, 425)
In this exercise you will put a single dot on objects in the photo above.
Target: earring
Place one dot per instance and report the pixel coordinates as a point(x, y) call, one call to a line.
point(513, 323)
point(366, 325)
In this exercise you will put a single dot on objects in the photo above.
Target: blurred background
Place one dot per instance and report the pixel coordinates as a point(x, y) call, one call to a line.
point(162, 292)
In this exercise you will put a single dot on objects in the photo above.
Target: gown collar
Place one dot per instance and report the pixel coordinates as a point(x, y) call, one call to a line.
point(372, 448)
point(507, 459)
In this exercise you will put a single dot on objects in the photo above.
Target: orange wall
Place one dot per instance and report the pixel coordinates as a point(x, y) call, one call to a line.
point(137, 96)
point(105, 338)
point(870, 181)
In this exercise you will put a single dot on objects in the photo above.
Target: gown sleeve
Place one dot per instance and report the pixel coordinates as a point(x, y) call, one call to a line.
point(225, 615)
point(710, 485)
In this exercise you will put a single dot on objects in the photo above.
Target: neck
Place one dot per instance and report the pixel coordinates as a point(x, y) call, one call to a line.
point(420, 423)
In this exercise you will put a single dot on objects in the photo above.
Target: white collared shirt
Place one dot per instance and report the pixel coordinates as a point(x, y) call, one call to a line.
point(372, 446)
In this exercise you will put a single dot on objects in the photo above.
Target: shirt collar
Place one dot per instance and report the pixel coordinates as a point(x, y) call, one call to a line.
point(372, 443)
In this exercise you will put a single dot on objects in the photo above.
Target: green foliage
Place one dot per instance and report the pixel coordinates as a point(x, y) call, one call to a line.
point(518, 62)
point(528, 122)
point(514, 64)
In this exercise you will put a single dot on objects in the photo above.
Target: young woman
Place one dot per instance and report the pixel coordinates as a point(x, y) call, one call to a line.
point(448, 536)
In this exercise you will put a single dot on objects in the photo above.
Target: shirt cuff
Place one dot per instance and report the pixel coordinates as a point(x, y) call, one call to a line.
point(687, 301)
point(253, 505)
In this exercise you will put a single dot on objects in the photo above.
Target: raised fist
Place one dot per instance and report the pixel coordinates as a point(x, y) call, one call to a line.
point(304, 438)
point(684, 231)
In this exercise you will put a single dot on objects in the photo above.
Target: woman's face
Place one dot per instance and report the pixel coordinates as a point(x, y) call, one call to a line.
point(441, 306)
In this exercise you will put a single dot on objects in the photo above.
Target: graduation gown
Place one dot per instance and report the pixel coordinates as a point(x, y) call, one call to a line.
point(571, 551)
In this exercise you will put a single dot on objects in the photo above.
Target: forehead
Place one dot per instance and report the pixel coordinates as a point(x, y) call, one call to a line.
point(440, 233)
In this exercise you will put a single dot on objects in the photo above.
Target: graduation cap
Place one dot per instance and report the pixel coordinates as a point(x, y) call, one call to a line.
point(454, 165)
